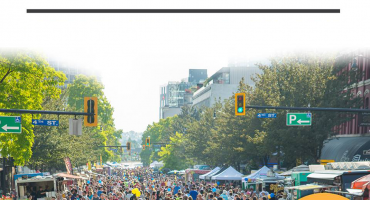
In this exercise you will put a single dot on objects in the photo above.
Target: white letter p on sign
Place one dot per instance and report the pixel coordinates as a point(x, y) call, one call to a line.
point(292, 118)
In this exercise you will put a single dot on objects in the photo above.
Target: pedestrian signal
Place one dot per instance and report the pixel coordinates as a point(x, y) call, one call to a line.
point(240, 104)
point(91, 107)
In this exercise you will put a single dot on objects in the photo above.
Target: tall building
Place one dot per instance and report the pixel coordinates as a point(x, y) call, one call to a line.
point(174, 95)
point(360, 61)
point(197, 76)
point(223, 84)
point(352, 142)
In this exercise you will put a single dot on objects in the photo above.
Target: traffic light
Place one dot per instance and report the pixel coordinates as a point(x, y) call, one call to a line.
point(128, 146)
point(144, 147)
point(91, 106)
point(240, 104)
point(147, 142)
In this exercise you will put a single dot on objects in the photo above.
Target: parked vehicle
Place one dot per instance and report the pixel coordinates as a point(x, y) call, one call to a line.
point(31, 185)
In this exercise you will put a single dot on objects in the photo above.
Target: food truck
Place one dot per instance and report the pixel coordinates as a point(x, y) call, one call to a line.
point(26, 186)
point(270, 184)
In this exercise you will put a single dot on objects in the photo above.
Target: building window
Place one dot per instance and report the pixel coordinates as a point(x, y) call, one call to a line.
point(367, 103)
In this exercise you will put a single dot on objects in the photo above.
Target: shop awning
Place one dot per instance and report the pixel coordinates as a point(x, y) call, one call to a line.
point(68, 176)
point(346, 149)
point(356, 192)
point(323, 176)
point(308, 187)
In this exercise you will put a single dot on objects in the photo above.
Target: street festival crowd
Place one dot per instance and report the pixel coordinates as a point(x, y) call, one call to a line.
point(143, 184)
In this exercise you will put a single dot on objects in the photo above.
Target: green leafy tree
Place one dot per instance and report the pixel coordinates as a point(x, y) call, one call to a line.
point(299, 81)
point(53, 144)
point(173, 154)
point(84, 86)
point(25, 80)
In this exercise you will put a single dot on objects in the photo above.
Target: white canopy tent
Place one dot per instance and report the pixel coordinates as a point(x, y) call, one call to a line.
point(214, 171)
point(258, 174)
point(230, 174)
point(156, 164)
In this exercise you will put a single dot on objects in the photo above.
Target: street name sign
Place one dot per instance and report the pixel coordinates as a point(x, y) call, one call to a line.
point(298, 119)
point(10, 124)
point(41, 122)
point(266, 115)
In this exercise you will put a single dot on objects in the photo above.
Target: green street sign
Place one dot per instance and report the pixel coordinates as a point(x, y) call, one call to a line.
point(10, 124)
point(298, 119)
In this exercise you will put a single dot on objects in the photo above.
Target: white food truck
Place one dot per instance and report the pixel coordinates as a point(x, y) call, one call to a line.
point(31, 185)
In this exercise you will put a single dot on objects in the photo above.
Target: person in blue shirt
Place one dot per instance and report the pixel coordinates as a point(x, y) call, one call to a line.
point(99, 192)
point(176, 189)
point(193, 193)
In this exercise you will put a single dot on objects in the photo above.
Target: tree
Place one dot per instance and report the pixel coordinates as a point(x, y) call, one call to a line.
point(299, 81)
point(84, 86)
point(53, 144)
point(25, 80)
point(159, 133)
point(173, 154)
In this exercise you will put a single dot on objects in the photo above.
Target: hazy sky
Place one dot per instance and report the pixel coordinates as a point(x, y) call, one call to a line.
point(137, 53)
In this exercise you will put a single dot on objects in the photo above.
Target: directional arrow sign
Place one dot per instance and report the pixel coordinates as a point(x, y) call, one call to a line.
point(10, 124)
point(298, 119)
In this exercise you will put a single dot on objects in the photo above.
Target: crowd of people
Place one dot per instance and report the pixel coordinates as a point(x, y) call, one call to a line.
point(144, 184)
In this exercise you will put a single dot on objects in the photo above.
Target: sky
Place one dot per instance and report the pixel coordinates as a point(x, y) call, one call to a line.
point(135, 54)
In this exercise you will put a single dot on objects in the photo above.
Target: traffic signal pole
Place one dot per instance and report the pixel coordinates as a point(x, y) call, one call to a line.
point(356, 110)
point(44, 112)
point(112, 146)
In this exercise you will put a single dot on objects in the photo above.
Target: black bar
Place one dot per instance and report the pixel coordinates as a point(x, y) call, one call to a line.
point(3, 176)
point(183, 10)
point(312, 109)
point(43, 112)
point(112, 146)
point(159, 143)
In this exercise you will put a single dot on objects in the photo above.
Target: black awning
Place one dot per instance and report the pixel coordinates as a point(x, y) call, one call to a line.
point(346, 149)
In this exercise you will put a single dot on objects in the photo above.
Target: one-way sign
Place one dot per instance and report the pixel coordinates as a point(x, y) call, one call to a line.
point(298, 119)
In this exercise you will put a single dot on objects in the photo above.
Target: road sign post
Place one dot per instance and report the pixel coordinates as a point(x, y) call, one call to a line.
point(298, 119)
point(10, 124)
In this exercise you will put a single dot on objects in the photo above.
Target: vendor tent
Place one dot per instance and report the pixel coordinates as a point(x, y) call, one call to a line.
point(208, 177)
point(156, 164)
point(258, 174)
point(229, 174)
point(215, 170)
point(68, 176)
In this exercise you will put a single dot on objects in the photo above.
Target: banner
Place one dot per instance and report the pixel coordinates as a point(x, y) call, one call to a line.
point(69, 168)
